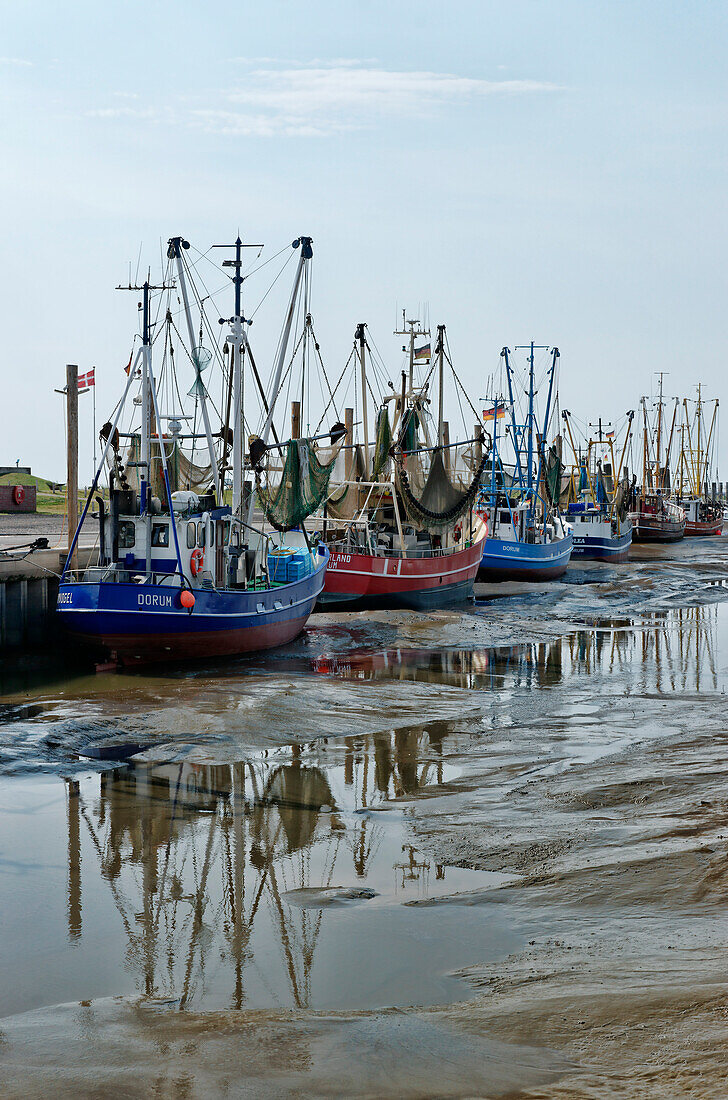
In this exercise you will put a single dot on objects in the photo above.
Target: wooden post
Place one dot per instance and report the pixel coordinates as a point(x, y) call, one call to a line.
point(72, 457)
point(477, 447)
point(446, 444)
point(295, 419)
point(349, 425)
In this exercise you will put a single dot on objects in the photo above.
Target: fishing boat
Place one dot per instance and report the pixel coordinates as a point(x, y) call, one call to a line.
point(528, 538)
point(399, 531)
point(180, 574)
point(598, 496)
point(696, 495)
point(656, 516)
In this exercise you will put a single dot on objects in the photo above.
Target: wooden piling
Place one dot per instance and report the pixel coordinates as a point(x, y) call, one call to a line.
point(72, 456)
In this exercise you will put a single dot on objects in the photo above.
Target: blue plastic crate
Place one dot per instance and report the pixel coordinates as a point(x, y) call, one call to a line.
point(278, 566)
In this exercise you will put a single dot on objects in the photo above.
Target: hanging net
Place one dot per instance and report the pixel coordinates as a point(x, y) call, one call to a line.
point(553, 471)
point(440, 503)
point(346, 500)
point(408, 431)
point(303, 486)
point(383, 442)
point(183, 472)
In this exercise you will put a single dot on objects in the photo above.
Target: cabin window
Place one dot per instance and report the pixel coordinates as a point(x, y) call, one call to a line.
point(201, 535)
point(235, 537)
point(212, 534)
point(191, 535)
point(127, 536)
point(505, 517)
point(160, 534)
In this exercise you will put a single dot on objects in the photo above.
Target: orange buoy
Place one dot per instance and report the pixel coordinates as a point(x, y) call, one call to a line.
point(187, 599)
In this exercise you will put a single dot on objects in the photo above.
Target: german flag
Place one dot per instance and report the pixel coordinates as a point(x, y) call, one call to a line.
point(423, 352)
point(497, 411)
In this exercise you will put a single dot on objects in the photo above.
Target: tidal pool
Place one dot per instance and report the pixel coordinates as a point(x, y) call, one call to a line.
point(352, 824)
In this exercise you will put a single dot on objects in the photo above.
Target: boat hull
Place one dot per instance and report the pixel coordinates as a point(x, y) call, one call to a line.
point(602, 548)
point(419, 584)
point(650, 528)
point(143, 624)
point(703, 527)
point(524, 561)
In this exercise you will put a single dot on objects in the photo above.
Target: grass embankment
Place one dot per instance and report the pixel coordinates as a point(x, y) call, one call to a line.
point(19, 478)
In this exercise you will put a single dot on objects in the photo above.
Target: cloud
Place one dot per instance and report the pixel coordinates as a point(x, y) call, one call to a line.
point(346, 96)
point(325, 99)
point(20, 62)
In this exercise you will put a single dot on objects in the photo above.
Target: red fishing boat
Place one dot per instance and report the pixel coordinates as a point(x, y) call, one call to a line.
point(696, 466)
point(403, 533)
point(702, 517)
point(420, 579)
point(657, 519)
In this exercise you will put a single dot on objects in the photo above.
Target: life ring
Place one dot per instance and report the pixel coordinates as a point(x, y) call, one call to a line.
point(458, 532)
point(18, 494)
point(197, 561)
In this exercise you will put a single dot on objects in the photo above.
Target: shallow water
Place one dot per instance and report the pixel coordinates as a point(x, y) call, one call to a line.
point(258, 848)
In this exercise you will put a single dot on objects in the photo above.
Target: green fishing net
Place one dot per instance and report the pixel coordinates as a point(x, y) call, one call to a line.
point(383, 442)
point(303, 487)
point(408, 431)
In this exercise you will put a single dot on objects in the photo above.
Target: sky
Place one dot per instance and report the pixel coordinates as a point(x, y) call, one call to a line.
point(528, 170)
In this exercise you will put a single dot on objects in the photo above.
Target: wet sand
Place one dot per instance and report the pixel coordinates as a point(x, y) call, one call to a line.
point(565, 747)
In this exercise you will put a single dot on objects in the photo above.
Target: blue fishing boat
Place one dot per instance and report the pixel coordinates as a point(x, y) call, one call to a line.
point(179, 574)
point(528, 538)
point(598, 495)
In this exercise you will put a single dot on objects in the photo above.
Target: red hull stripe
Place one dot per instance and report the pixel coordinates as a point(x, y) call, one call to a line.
point(366, 575)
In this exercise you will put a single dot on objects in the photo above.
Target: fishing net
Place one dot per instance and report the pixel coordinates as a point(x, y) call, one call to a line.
point(440, 503)
point(346, 500)
point(383, 442)
point(553, 471)
point(183, 472)
point(303, 486)
point(408, 431)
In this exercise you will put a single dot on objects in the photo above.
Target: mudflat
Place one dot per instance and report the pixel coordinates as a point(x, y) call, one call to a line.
point(476, 853)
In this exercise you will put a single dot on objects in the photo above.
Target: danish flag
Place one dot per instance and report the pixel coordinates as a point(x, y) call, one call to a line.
point(87, 380)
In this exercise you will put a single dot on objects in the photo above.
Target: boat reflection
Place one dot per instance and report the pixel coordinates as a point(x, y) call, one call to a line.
point(664, 651)
point(200, 859)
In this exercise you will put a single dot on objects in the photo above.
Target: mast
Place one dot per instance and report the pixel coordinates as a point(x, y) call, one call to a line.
point(531, 348)
point(174, 252)
point(305, 244)
point(669, 442)
point(145, 477)
point(630, 418)
point(530, 425)
point(698, 416)
point(411, 329)
point(544, 435)
point(659, 479)
point(644, 452)
point(237, 333)
point(361, 340)
point(440, 368)
point(239, 341)
point(516, 442)
point(710, 436)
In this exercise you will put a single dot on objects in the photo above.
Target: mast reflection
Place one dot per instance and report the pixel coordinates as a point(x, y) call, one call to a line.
point(200, 860)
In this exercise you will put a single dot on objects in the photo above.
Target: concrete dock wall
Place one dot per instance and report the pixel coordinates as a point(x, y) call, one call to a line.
point(28, 592)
